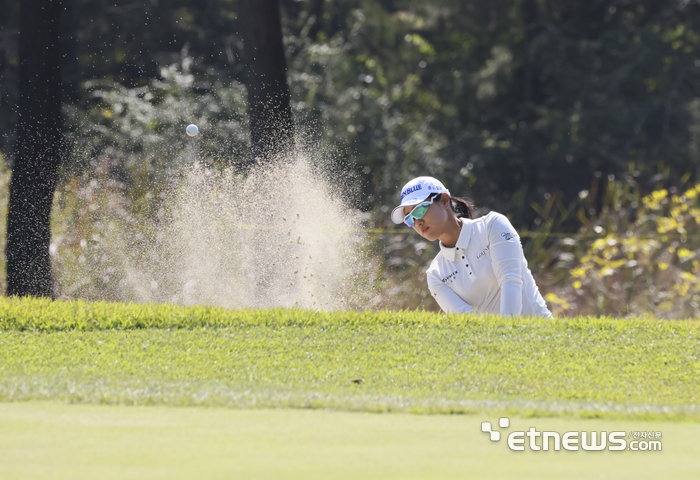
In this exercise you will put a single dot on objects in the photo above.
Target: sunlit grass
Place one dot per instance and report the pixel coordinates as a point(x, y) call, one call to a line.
point(368, 361)
point(41, 440)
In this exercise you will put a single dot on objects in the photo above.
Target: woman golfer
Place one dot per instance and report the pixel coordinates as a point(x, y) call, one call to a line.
point(480, 266)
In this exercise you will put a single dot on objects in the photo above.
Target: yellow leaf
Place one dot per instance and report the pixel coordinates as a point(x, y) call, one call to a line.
point(684, 253)
point(666, 224)
point(578, 273)
point(598, 244)
point(659, 195)
point(617, 263)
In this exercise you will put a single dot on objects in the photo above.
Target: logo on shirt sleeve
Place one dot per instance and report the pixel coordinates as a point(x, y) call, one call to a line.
point(507, 236)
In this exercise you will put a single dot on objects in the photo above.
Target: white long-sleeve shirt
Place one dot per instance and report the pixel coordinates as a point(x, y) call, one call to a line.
point(485, 272)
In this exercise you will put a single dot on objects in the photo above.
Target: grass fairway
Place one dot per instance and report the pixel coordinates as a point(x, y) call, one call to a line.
point(412, 362)
point(73, 442)
point(147, 383)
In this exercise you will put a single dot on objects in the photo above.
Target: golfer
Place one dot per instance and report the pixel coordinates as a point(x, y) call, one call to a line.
point(480, 266)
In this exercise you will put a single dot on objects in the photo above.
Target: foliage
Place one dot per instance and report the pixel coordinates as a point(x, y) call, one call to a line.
point(629, 252)
point(645, 258)
point(508, 100)
point(408, 361)
point(512, 103)
point(143, 127)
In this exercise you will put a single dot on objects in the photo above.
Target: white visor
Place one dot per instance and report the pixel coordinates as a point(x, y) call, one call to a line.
point(415, 192)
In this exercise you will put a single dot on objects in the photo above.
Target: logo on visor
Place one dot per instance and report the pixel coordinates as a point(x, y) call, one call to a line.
point(410, 190)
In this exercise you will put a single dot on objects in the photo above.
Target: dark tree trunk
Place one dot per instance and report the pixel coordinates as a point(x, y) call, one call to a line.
point(37, 154)
point(271, 125)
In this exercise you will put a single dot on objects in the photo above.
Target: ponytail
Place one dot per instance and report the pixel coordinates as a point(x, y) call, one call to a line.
point(462, 207)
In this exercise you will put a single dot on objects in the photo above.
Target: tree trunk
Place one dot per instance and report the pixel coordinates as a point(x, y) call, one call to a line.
point(271, 124)
point(38, 149)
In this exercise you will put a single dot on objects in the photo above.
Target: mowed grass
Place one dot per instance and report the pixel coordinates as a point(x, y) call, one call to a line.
point(75, 442)
point(413, 362)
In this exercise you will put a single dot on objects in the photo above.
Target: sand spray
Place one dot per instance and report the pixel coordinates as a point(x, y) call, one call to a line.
point(283, 234)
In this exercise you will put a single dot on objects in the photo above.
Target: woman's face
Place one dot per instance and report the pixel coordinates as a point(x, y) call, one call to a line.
point(433, 223)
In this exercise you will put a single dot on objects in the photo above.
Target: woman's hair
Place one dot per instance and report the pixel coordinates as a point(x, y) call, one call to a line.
point(463, 207)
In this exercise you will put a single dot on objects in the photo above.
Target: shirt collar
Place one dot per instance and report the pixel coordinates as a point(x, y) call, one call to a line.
point(462, 242)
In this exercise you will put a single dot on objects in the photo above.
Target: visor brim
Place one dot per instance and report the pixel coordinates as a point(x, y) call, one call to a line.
point(397, 214)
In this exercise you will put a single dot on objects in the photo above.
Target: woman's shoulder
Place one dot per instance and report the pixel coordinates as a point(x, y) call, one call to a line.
point(436, 264)
point(493, 218)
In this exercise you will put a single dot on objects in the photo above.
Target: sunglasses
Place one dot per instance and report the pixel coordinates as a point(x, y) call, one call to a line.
point(417, 213)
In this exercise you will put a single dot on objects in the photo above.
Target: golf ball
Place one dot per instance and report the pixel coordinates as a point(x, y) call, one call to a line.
point(192, 130)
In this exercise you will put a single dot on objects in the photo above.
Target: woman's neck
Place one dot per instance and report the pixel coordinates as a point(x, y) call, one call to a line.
point(451, 234)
